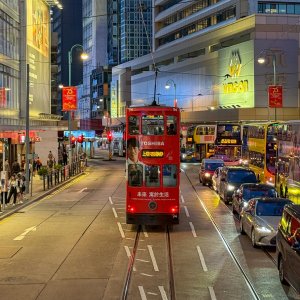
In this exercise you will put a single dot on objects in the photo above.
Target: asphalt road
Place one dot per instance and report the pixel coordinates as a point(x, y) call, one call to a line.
point(74, 244)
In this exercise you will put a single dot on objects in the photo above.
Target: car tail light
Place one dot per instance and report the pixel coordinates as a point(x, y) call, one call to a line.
point(174, 210)
point(131, 209)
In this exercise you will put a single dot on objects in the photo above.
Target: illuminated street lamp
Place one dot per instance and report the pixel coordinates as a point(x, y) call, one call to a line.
point(168, 85)
point(84, 56)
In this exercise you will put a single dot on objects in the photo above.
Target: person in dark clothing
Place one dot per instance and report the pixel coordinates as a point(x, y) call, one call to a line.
point(65, 158)
point(12, 189)
point(15, 168)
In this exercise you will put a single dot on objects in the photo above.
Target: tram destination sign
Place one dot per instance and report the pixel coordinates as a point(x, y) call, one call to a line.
point(152, 153)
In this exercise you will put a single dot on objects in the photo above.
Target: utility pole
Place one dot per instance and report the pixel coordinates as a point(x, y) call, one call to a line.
point(27, 134)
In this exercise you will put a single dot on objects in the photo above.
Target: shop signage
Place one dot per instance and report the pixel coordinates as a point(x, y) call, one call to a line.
point(2, 97)
point(152, 153)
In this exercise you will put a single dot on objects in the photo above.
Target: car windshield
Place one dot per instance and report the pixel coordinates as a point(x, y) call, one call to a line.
point(242, 176)
point(249, 193)
point(212, 166)
point(270, 208)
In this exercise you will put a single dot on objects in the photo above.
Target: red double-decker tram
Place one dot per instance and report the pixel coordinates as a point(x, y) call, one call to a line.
point(152, 165)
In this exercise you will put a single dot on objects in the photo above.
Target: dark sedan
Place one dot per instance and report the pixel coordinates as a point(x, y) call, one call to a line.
point(248, 191)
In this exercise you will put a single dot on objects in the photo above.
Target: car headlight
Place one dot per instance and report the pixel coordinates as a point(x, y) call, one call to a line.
point(263, 229)
point(207, 175)
point(184, 155)
point(245, 204)
point(230, 187)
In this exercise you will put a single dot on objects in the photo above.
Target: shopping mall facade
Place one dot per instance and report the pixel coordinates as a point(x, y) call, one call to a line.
point(214, 74)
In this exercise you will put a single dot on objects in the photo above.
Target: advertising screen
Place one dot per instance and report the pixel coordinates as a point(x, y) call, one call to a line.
point(38, 56)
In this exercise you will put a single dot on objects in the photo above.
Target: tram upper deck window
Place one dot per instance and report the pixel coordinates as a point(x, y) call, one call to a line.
point(134, 125)
point(171, 125)
point(153, 125)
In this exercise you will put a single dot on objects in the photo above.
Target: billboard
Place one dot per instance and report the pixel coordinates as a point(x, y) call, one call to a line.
point(38, 56)
point(69, 98)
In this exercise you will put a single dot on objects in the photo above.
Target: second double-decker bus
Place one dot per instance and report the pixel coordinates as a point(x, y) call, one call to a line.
point(260, 152)
point(228, 143)
point(153, 165)
point(288, 160)
point(202, 138)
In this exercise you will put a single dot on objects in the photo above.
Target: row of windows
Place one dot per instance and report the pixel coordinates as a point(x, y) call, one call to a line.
point(152, 125)
point(278, 8)
point(198, 26)
point(152, 175)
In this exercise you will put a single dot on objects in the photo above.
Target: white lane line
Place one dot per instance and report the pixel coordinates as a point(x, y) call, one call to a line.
point(153, 258)
point(115, 213)
point(151, 293)
point(142, 260)
point(27, 230)
point(202, 259)
point(212, 293)
point(129, 255)
point(142, 293)
point(163, 292)
point(193, 229)
point(82, 190)
point(144, 274)
point(121, 230)
point(182, 199)
point(186, 211)
point(110, 200)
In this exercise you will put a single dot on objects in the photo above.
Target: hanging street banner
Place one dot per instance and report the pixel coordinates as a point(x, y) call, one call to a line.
point(2, 97)
point(69, 98)
point(275, 96)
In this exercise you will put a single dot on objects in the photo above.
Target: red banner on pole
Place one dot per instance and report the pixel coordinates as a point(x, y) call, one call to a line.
point(69, 98)
point(275, 96)
point(2, 97)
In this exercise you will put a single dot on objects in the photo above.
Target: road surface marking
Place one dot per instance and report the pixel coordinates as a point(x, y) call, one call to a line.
point(121, 230)
point(82, 190)
point(212, 293)
point(142, 293)
point(163, 292)
point(129, 255)
point(182, 199)
point(149, 275)
point(115, 213)
point(202, 259)
point(27, 230)
point(145, 231)
point(186, 212)
point(110, 200)
point(153, 258)
point(193, 229)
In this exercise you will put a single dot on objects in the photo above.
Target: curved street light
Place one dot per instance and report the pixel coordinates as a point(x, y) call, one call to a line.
point(168, 85)
point(84, 56)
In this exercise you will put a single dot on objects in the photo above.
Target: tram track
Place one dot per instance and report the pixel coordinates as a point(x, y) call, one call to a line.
point(226, 244)
point(132, 260)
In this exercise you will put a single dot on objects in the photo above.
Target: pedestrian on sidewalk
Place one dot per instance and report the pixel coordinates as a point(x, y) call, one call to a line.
point(12, 186)
point(20, 188)
point(4, 190)
point(65, 158)
point(7, 167)
point(15, 167)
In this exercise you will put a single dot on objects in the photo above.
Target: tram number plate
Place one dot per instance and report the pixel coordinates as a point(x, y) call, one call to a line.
point(152, 153)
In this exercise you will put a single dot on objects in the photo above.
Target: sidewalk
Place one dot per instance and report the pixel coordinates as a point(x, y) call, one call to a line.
point(35, 194)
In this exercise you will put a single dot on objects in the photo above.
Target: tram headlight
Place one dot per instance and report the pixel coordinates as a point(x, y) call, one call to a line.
point(206, 174)
point(230, 187)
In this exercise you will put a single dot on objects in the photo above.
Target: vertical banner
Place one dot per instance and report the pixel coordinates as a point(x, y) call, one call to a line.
point(69, 98)
point(2, 97)
point(275, 96)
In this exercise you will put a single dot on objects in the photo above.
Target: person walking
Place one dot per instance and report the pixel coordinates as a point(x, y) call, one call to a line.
point(20, 188)
point(15, 167)
point(12, 185)
point(65, 158)
point(7, 167)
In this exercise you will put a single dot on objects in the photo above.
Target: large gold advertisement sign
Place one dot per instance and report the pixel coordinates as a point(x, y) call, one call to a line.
point(38, 55)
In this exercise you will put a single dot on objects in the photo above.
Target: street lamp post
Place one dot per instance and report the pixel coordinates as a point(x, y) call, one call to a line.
point(84, 56)
point(262, 60)
point(168, 85)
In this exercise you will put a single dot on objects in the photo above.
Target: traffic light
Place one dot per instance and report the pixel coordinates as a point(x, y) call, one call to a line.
point(80, 139)
point(73, 140)
point(109, 136)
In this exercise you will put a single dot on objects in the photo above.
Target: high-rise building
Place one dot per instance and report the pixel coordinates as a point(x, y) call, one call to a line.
point(67, 23)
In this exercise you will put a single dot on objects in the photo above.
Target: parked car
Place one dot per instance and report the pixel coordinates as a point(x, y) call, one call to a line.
point(248, 191)
point(260, 219)
point(288, 246)
point(231, 178)
point(207, 168)
point(215, 179)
